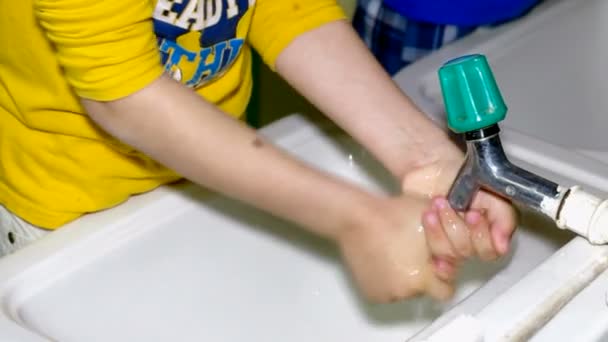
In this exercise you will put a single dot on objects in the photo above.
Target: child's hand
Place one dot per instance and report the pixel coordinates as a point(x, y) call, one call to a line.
point(390, 257)
point(462, 235)
point(491, 220)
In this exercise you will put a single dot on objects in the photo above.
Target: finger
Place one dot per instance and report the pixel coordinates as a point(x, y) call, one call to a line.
point(480, 235)
point(438, 289)
point(444, 269)
point(437, 240)
point(454, 227)
point(501, 216)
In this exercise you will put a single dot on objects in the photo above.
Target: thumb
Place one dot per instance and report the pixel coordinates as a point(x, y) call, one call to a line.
point(438, 289)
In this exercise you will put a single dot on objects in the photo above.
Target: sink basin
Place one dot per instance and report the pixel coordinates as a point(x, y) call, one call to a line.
point(184, 264)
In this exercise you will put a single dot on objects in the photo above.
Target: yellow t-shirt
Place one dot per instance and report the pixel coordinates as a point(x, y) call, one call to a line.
point(55, 163)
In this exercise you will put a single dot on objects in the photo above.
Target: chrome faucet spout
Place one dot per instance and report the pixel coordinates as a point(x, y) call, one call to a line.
point(487, 167)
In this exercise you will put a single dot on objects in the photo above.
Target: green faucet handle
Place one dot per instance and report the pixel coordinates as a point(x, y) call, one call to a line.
point(470, 94)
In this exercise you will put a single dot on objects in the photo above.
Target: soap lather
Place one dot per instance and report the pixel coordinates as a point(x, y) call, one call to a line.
point(474, 106)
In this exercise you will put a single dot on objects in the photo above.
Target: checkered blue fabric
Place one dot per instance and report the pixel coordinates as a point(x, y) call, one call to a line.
point(397, 41)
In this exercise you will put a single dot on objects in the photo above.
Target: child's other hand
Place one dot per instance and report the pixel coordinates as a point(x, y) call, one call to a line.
point(490, 221)
point(463, 236)
point(390, 257)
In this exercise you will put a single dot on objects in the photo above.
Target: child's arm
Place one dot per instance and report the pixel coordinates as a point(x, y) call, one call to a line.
point(334, 69)
point(175, 126)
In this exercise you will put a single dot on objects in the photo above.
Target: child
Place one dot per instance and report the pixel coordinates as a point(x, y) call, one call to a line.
point(399, 32)
point(101, 100)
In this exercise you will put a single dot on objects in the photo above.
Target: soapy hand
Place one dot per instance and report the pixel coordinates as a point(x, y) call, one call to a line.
point(490, 222)
point(389, 255)
point(413, 245)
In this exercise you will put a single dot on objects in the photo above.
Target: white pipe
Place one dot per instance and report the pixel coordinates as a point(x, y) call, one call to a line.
point(584, 214)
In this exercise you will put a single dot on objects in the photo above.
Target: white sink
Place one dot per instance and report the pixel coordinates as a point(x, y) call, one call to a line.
point(183, 264)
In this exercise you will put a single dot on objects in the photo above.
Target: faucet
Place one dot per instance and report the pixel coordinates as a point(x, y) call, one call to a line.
point(487, 166)
point(474, 106)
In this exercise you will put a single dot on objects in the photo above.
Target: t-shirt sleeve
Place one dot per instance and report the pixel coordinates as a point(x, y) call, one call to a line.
point(107, 49)
point(276, 23)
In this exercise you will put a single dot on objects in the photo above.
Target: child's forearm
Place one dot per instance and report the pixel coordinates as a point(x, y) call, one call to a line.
point(336, 72)
point(175, 126)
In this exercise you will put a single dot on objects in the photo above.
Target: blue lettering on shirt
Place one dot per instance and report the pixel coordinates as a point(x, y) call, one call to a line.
point(203, 32)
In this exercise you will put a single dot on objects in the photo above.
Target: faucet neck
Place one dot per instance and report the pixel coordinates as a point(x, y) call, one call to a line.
point(482, 133)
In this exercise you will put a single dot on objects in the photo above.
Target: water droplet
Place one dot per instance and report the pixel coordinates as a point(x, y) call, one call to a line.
point(351, 160)
point(432, 184)
point(452, 224)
